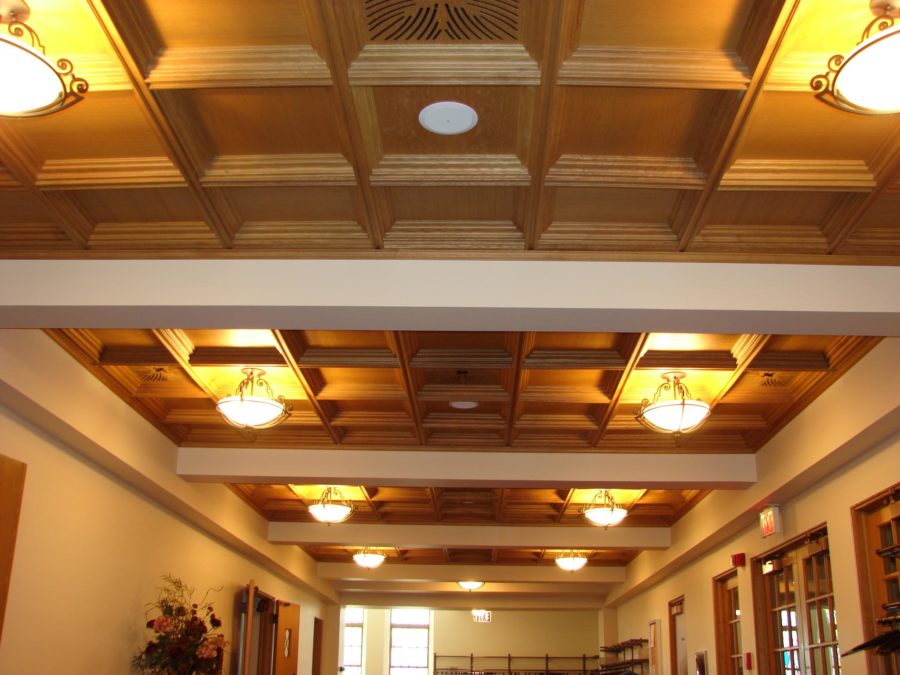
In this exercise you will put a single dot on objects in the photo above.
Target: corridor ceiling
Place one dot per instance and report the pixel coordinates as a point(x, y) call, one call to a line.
point(608, 130)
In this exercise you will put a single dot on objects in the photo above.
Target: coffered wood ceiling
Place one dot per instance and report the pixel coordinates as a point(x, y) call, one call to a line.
point(608, 129)
point(535, 392)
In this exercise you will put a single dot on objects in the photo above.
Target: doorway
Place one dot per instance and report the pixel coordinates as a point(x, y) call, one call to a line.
point(677, 637)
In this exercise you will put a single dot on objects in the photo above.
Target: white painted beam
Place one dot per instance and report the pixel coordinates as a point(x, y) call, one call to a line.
point(483, 595)
point(446, 469)
point(552, 601)
point(452, 295)
point(453, 573)
point(467, 536)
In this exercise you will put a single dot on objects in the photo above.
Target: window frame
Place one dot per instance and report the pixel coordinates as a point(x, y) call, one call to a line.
point(362, 642)
point(729, 656)
point(427, 627)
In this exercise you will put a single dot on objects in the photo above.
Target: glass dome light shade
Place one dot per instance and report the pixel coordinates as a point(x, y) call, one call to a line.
point(330, 512)
point(252, 412)
point(605, 515)
point(672, 409)
point(864, 82)
point(368, 559)
point(571, 563)
point(678, 416)
point(247, 409)
point(29, 84)
point(470, 585)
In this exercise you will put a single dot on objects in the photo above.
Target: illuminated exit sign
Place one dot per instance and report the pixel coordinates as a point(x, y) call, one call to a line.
point(769, 521)
point(481, 615)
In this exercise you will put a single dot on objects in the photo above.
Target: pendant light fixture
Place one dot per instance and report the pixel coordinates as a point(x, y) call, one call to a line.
point(253, 405)
point(603, 510)
point(470, 585)
point(30, 85)
point(675, 414)
point(368, 559)
point(331, 507)
point(863, 81)
point(571, 561)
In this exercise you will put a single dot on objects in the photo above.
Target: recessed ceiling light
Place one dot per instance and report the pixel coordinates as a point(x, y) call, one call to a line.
point(464, 405)
point(448, 118)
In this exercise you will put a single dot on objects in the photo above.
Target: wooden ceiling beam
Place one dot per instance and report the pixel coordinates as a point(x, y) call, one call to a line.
point(656, 359)
point(633, 345)
point(767, 18)
point(560, 22)
point(400, 346)
point(180, 347)
point(565, 505)
point(746, 348)
point(325, 21)
point(790, 361)
point(885, 179)
point(24, 167)
point(128, 29)
point(461, 358)
point(289, 346)
point(575, 359)
point(524, 343)
point(370, 502)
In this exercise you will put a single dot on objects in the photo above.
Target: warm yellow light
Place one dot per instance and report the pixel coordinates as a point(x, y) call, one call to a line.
point(246, 409)
point(28, 81)
point(676, 414)
point(866, 79)
point(331, 508)
point(603, 510)
point(571, 562)
point(470, 585)
point(368, 559)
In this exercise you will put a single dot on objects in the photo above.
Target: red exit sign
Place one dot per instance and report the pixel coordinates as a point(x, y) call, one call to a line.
point(769, 521)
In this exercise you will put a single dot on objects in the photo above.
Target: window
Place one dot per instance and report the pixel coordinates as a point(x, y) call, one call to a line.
point(728, 624)
point(409, 641)
point(800, 630)
point(353, 641)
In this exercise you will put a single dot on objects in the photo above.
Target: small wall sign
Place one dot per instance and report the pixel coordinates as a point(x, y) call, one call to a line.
point(481, 615)
point(769, 521)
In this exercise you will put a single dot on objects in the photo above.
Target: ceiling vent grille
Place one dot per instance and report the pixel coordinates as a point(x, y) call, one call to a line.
point(447, 21)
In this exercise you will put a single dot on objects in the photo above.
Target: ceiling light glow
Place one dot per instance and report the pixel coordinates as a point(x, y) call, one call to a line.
point(862, 81)
point(676, 415)
point(253, 405)
point(30, 85)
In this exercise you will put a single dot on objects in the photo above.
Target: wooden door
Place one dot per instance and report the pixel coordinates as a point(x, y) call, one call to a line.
point(287, 634)
point(12, 486)
point(317, 647)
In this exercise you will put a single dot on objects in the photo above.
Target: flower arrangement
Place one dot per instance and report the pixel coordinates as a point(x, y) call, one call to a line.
point(184, 641)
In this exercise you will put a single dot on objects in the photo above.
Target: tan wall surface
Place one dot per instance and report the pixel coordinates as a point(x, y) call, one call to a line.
point(829, 502)
point(89, 555)
point(520, 633)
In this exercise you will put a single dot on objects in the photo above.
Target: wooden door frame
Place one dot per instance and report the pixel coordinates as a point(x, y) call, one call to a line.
point(673, 647)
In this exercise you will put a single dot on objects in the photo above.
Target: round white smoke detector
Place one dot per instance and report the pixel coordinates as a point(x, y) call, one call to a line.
point(448, 118)
point(464, 405)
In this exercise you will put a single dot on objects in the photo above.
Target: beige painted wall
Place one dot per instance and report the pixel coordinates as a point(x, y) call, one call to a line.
point(89, 554)
point(517, 632)
point(524, 633)
point(829, 502)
